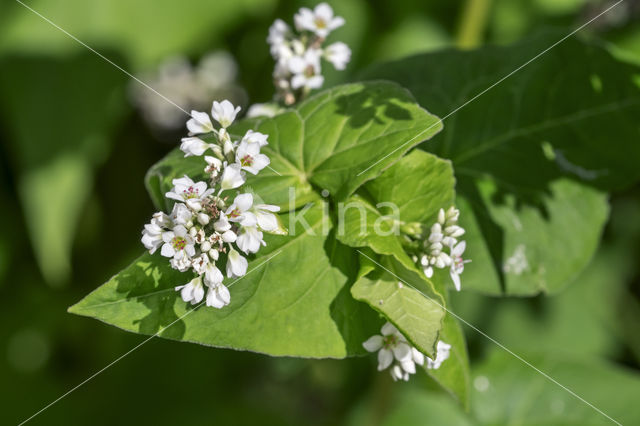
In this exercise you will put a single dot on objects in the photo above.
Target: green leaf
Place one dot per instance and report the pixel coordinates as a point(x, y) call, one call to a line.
point(404, 297)
point(334, 141)
point(417, 186)
point(541, 248)
point(453, 374)
point(523, 135)
point(294, 300)
point(509, 392)
point(410, 191)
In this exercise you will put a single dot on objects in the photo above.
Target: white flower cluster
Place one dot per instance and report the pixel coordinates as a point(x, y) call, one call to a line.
point(202, 228)
point(394, 350)
point(442, 249)
point(189, 86)
point(298, 55)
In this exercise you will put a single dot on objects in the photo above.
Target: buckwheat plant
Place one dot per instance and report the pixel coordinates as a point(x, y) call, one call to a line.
point(442, 249)
point(298, 53)
point(206, 231)
point(395, 352)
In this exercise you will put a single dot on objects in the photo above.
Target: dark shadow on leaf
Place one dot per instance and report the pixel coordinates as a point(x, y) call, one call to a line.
point(145, 278)
point(362, 107)
point(345, 311)
point(493, 233)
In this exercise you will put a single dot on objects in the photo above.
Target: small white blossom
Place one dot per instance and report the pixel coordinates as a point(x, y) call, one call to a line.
point(181, 214)
point(319, 21)
point(457, 263)
point(278, 33)
point(212, 275)
point(193, 291)
point(263, 110)
point(306, 70)
point(199, 123)
point(193, 146)
point(338, 54)
point(267, 221)
point(240, 212)
point(391, 344)
point(255, 137)
point(250, 239)
point(232, 177)
point(442, 353)
point(190, 192)
point(200, 263)
point(177, 243)
point(152, 237)
point(218, 296)
point(236, 264)
point(224, 112)
point(249, 157)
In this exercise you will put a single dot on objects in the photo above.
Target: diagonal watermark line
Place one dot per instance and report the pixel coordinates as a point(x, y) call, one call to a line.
point(163, 329)
point(494, 85)
point(503, 347)
point(116, 65)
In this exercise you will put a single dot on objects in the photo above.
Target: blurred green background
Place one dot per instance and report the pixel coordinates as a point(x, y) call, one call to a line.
point(77, 137)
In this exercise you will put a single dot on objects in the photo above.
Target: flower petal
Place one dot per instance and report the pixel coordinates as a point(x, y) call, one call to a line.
point(373, 343)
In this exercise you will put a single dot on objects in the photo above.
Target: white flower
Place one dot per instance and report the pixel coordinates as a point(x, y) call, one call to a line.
point(391, 344)
point(177, 243)
point(236, 264)
point(229, 236)
point(442, 353)
point(218, 296)
point(232, 177)
point(193, 146)
point(397, 373)
point(222, 224)
point(319, 21)
point(249, 157)
point(181, 215)
point(224, 112)
point(249, 239)
point(181, 262)
point(338, 54)
point(214, 165)
point(199, 123)
point(255, 137)
point(278, 32)
point(200, 263)
point(263, 110)
point(306, 70)
point(457, 263)
point(190, 192)
point(193, 291)
point(212, 275)
point(239, 210)
point(267, 221)
point(152, 236)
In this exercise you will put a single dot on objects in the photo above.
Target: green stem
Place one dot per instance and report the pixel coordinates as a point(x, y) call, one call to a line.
point(473, 23)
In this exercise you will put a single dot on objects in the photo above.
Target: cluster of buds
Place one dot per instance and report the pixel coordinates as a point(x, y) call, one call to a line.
point(442, 248)
point(395, 353)
point(298, 54)
point(205, 230)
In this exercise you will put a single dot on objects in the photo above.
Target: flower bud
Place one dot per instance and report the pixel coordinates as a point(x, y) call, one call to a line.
point(203, 218)
point(205, 246)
